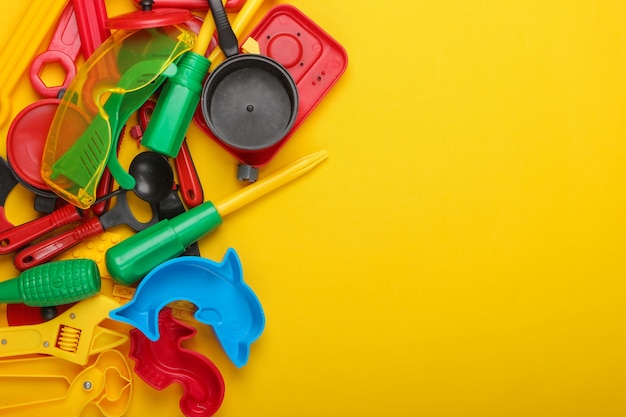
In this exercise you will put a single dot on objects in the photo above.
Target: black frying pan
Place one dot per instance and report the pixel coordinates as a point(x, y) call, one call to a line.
point(249, 101)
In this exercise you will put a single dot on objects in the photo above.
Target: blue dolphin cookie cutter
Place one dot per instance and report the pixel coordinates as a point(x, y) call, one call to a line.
point(224, 301)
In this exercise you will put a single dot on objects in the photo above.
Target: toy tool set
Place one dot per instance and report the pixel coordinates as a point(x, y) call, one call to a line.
point(77, 319)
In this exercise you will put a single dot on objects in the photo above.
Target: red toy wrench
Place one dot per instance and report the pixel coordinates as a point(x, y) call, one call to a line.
point(63, 49)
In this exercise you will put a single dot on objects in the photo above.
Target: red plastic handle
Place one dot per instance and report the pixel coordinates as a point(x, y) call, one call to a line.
point(91, 16)
point(48, 249)
point(189, 181)
point(62, 49)
point(19, 236)
point(197, 5)
point(5, 224)
point(190, 186)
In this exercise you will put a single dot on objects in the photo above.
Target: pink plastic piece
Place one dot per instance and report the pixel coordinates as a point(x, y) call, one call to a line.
point(165, 361)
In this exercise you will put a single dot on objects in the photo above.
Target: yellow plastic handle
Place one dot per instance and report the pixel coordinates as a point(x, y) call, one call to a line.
point(26, 38)
point(240, 24)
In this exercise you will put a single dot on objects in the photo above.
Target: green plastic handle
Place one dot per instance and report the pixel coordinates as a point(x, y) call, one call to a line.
point(53, 283)
point(176, 106)
point(132, 259)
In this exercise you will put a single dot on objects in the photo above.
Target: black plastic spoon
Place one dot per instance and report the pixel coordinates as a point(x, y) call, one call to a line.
point(154, 181)
point(153, 175)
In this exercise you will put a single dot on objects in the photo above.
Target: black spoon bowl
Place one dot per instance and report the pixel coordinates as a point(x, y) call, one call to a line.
point(154, 177)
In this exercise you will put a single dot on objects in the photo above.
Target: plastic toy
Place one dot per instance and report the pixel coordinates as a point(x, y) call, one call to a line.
point(188, 179)
point(80, 27)
point(181, 94)
point(179, 98)
point(239, 25)
point(17, 237)
point(54, 283)
point(106, 384)
point(153, 176)
point(153, 182)
point(47, 249)
point(63, 49)
point(24, 147)
point(16, 55)
point(134, 257)
point(7, 183)
point(165, 362)
point(149, 18)
point(250, 101)
point(314, 59)
point(91, 16)
point(224, 301)
point(181, 309)
point(195, 5)
point(109, 87)
point(21, 314)
point(74, 335)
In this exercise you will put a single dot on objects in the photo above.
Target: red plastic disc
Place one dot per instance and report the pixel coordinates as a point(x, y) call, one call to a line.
point(149, 19)
point(26, 140)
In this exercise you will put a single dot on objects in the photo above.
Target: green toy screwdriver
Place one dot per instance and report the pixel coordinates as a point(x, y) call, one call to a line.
point(53, 283)
point(179, 98)
point(131, 259)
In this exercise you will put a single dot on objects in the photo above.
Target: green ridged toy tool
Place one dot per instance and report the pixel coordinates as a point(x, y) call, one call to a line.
point(53, 283)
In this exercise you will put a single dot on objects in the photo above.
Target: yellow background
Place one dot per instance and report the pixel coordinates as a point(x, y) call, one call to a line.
point(462, 251)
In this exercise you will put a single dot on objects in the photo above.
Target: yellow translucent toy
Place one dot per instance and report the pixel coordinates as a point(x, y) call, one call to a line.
point(49, 386)
point(112, 84)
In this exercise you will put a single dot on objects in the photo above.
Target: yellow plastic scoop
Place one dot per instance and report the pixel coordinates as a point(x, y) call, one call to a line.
point(74, 335)
point(58, 388)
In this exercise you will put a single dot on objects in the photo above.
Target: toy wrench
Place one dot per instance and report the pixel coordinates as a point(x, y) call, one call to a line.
point(67, 388)
point(63, 50)
point(74, 335)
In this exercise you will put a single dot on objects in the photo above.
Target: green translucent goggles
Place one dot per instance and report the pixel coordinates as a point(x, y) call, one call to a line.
point(112, 84)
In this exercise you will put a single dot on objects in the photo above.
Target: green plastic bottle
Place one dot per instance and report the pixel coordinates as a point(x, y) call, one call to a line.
point(176, 105)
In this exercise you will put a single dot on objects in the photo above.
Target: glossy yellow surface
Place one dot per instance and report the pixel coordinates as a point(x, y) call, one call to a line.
point(462, 250)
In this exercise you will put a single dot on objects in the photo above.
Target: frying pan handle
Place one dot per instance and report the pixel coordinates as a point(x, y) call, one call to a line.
point(48, 249)
point(226, 38)
point(19, 236)
point(190, 186)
